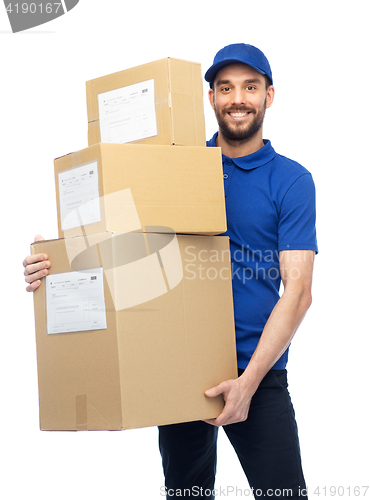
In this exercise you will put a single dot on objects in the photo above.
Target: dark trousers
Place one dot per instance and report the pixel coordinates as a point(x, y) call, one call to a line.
point(266, 444)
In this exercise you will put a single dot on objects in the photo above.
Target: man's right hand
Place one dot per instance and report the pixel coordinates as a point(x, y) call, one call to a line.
point(35, 268)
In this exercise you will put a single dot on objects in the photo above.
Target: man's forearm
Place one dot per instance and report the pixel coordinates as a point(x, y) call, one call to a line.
point(277, 335)
point(296, 271)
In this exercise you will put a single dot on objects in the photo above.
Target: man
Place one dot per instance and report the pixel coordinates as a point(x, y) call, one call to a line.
point(270, 206)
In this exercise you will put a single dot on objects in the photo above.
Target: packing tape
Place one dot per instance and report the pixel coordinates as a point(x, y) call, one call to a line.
point(76, 158)
point(81, 412)
point(163, 100)
point(143, 266)
point(146, 265)
point(93, 119)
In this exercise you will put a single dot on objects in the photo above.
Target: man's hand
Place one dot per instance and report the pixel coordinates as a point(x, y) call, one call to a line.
point(237, 397)
point(35, 268)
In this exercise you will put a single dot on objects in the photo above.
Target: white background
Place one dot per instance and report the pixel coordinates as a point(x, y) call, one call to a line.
point(319, 53)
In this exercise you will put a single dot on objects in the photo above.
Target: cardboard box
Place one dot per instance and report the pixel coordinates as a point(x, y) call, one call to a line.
point(123, 187)
point(158, 103)
point(164, 334)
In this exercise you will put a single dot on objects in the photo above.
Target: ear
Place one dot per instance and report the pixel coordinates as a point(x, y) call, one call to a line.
point(211, 97)
point(270, 96)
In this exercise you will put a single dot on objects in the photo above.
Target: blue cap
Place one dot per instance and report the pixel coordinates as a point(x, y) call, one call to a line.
point(239, 53)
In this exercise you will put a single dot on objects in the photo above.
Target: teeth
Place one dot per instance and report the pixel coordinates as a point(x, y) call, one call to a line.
point(238, 115)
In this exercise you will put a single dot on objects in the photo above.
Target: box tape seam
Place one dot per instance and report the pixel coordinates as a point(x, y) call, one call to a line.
point(81, 412)
point(170, 99)
point(76, 158)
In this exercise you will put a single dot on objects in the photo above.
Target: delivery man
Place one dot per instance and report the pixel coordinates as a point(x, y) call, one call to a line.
point(270, 208)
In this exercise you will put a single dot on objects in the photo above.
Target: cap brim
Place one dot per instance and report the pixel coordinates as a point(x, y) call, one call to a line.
point(213, 70)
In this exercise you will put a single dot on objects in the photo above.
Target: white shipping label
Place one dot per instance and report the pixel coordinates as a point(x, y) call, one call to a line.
point(79, 196)
point(75, 301)
point(128, 114)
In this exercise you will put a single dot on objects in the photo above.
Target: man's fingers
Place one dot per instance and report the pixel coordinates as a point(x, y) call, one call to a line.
point(37, 273)
point(222, 419)
point(31, 261)
point(35, 267)
point(211, 393)
point(236, 403)
point(216, 391)
point(33, 286)
point(40, 266)
point(211, 422)
point(226, 417)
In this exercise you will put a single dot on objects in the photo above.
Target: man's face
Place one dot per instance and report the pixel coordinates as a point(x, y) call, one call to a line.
point(239, 98)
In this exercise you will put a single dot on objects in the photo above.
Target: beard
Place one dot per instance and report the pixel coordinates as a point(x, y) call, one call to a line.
point(240, 132)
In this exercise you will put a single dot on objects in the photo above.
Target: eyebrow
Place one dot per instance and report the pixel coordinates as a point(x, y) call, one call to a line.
point(227, 82)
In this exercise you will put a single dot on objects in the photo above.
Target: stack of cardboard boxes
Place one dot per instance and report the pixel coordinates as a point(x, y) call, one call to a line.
point(135, 320)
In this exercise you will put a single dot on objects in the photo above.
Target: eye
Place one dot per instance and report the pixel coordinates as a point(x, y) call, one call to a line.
point(225, 89)
point(250, 87)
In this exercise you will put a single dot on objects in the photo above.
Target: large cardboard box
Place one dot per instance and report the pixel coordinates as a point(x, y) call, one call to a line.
point(131, 329)
point(123, 187)
point(158, 103)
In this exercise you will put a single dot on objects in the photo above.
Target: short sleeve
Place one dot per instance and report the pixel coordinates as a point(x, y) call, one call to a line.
point(297, 218)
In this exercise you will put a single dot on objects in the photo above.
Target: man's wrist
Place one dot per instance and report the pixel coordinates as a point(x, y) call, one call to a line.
point(250, 379)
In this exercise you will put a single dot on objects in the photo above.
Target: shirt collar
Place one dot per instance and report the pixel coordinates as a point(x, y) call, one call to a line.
point(254, 160)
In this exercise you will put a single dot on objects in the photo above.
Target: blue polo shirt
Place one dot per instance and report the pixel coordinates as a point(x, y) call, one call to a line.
point(270, 206)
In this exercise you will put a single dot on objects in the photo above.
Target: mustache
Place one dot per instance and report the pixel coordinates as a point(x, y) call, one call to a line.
point(239, 109)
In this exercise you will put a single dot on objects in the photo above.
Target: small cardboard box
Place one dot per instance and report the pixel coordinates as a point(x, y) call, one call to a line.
point(158, 103)
point(124, 187)
point(131, 329)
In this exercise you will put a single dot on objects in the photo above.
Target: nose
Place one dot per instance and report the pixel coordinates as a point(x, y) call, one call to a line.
point(238, 97)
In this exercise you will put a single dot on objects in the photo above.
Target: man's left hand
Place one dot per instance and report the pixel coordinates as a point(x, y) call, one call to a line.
point(237, 401)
